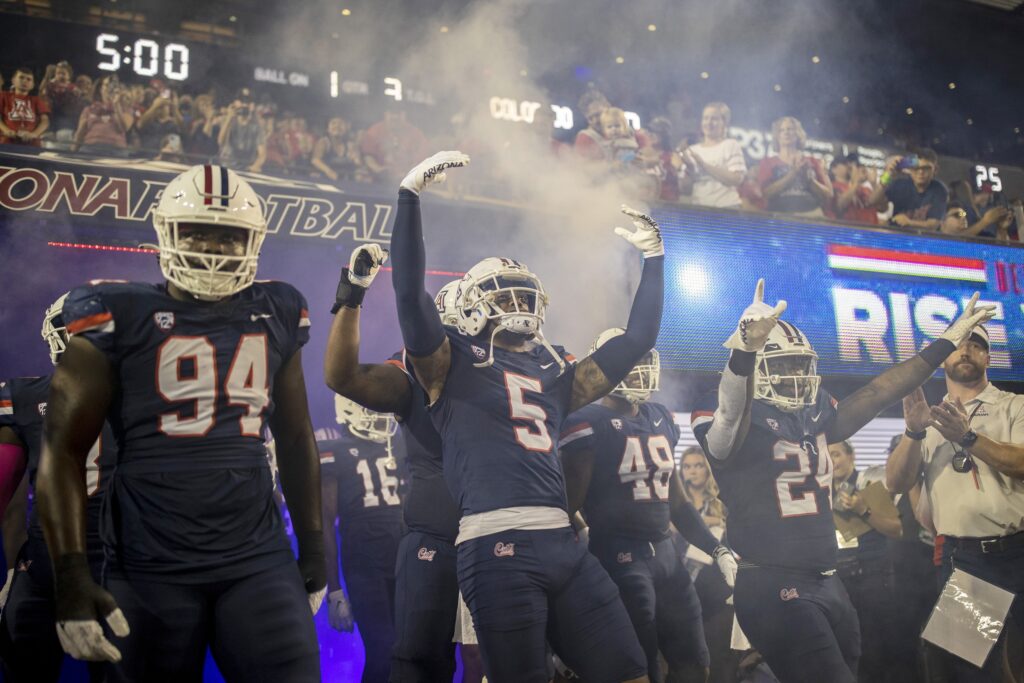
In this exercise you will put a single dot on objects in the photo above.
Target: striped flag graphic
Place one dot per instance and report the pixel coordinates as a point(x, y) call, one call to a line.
point(905, 263)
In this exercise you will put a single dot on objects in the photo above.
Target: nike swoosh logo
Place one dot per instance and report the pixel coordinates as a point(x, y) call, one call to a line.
point(815, 418)
point(545, 367)
point(257, 316)
point(657, 422)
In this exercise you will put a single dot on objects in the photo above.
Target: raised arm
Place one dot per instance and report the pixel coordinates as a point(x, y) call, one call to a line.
point(598, 373)
point(863, 405)
point(80, 395)
point(422, 331)
point(903, 467)
point(736, 389)
point(381, 387)
point(298, 461)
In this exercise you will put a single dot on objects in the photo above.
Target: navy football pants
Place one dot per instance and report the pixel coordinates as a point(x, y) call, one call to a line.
point(802, 623)
point(660, 599)
point(526, 587)
point(259, 629)
point(426, 600)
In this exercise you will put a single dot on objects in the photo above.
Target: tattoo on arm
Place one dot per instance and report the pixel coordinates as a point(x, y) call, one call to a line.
point(588, 385)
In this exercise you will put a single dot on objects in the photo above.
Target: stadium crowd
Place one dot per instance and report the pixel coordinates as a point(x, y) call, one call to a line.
point(104, 116)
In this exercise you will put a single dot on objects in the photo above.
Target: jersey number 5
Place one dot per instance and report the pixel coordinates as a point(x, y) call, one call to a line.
point(634, 467)
point(530, 439)
point(246, 384)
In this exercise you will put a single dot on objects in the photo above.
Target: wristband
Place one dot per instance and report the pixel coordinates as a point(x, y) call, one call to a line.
point(936, 352)
point(885, 178)
point(742, 363)
point(867, 513)
point(347, 293)
point(915, 436)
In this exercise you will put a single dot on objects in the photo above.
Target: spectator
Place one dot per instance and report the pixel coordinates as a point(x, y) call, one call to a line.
point(23, 117)
point(589, 142)
point(335, 154)
point(918, 199)
point(852, 192)
point(103, 125)
point(170, 149)
point(161, 119)
point(85, 85)
point(714, 168)
point(66, 101)
point(864, 565)
point(701, 491)
point(205, 129)
point(969, 452)
point(659, 135)
point(793, 182)
point(281, 154)
point(391, 146)
point(242, 141)
point(982, 218)
point(955, 221)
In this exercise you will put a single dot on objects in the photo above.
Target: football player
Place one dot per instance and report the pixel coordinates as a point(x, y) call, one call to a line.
point(358, 473)
point(620, 468)
point(189, 372)
point(498, 392)
point(765, 434)
point(28, 642)
point(426, 590)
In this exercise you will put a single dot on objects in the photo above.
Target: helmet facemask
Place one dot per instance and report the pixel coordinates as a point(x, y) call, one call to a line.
point(642, 381)
point(514, 300)
point(54, 333)
point(207, 276)
point(364, 423)
point(788, 380)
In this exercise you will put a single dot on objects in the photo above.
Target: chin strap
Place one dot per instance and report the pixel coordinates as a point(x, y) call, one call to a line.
point(538, 336)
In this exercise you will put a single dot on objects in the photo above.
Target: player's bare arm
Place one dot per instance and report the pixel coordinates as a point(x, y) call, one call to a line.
point(381, 387)
point(80, 395)
point(863, 405)
point(299, 463)
point(736, 390)
point(329, 511)
point(598, 374)
point(422, 332)
point(578, 465)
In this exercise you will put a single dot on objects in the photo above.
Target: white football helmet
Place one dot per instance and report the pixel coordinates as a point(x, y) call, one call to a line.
point(364, 423)
point(210, 195)
point(787, 369)
point(54, 333)
point(495, 281)
point(445, 303)
point(643, 380)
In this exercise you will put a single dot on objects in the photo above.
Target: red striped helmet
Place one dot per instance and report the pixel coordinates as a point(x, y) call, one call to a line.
point(787, 369)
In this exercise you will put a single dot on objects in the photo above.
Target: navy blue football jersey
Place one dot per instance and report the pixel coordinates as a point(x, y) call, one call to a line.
point(633, 465)
point(191, 496)
point(778, 486)
point(366, 476)
point(22, 408)
point(499, 426)
point(428, 506)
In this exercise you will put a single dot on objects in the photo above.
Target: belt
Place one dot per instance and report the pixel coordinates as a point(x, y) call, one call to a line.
point(746, 564)
point(986, 546)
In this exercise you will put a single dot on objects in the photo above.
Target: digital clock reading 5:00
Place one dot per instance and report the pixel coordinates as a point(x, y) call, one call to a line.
point(144, 57)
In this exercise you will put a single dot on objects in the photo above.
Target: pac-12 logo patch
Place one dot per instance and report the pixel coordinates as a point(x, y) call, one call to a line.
point(354, 452)
point(478, 352)
point(773, 424)
point(164, 320)
point(42, 409)
point(788, 594)
point(624, 558)
point(617, 423)
point(504, 549)
point(426, 555)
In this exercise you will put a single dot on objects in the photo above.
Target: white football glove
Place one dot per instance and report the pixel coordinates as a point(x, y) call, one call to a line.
point(646, 237)
point(6, 588)
point(972, 315)
point(726, 562)
point(364, 263)
point(431, 170)
point(316, 599)
point(83, 638)
point(340, 613)
point(756, 323)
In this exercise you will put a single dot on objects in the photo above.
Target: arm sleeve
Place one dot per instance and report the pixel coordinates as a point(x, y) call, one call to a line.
point(720, 438)
point(421, 326)
point(577, 432)
point(690, 524)
point(618, 356)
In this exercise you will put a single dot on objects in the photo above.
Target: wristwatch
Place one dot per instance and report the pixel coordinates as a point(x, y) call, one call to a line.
point(969, 439)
